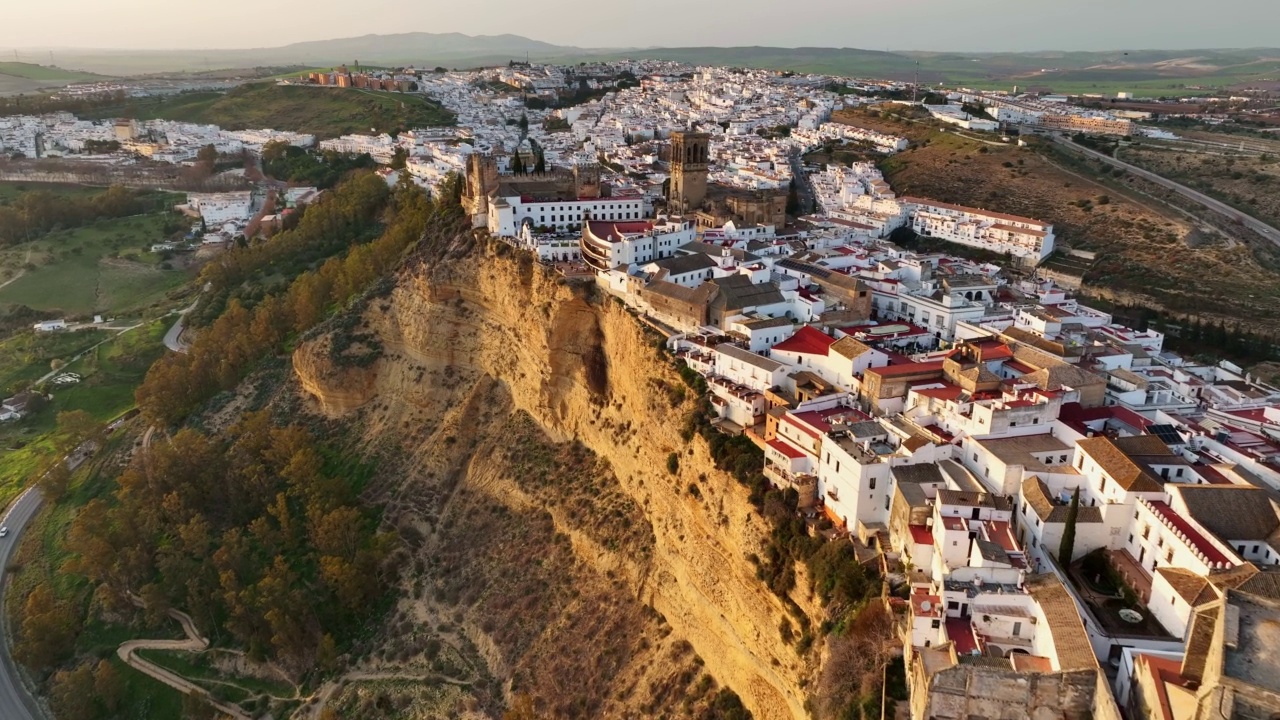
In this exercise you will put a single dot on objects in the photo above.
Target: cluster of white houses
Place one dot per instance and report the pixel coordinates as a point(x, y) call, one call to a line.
point(961, 467)
point(956, 427)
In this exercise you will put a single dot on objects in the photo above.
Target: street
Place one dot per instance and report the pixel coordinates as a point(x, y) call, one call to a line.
point(15, 702)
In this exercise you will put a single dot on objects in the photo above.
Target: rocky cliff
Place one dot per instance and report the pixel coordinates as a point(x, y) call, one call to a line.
point(537, 421)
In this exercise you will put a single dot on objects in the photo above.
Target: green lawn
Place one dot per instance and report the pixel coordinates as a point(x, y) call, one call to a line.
point(75, 274)
point(325, 112)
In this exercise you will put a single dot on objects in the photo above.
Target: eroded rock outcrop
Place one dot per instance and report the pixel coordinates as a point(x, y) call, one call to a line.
point(466, 346)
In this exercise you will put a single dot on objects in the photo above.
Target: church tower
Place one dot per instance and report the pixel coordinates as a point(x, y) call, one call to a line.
point(690, 152)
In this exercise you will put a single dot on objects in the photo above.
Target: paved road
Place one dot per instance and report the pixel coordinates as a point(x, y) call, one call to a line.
point(15, 702)
point(173, 338)
point(1254, 224)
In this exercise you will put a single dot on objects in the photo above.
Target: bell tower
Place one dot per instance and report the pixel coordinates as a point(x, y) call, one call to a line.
point(690, 152)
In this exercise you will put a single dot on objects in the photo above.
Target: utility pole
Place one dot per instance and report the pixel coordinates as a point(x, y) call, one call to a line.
point(915, 88)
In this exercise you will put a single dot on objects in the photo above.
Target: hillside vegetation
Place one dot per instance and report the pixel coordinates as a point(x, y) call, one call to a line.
point(324, 112)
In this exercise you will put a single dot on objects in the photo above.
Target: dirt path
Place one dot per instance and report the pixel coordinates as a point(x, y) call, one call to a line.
point(326, 691)
point(128, 652)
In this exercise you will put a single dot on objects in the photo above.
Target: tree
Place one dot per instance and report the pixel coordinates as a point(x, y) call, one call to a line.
point(108, 686)
point(1068, 545)
point(48, 630)
point(540, 166)
point(54, 482)
point(517, 165)
point(399, 158)
point(72, 693)
point(208, 155)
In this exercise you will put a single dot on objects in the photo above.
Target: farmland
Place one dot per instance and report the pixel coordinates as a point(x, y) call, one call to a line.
point(99, 268)
point(109, 373)
point(324, 112)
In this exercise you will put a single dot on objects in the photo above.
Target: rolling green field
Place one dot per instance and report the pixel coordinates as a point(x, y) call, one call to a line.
point(324, 112)
point(19, 77)
point(43, 73)
point(74, 272)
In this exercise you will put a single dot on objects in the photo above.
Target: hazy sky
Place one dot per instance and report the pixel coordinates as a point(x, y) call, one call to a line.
point(873, 24)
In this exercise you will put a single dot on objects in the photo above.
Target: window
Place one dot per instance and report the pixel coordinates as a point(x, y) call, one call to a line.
point(935, 624)
point(873, 484)
point(975, 457)
point(1130, 538)
point(1017, 629)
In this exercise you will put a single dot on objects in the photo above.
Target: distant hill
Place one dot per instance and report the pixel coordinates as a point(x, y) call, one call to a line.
point(16, 77)
point(1157, 71)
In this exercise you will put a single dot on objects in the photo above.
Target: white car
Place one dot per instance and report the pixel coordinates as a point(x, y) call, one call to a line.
point(4, 531)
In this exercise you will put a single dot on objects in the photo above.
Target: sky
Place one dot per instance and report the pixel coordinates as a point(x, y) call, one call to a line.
point(959, 25)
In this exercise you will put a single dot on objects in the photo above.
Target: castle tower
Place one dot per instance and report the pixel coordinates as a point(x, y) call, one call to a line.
point(689, 156)
point(482, 178)
point(586, 179)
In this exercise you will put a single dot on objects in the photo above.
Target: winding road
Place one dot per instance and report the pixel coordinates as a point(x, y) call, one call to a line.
point(194, 642)
point(173, 338)
point(16, 703)
point(1254, 224)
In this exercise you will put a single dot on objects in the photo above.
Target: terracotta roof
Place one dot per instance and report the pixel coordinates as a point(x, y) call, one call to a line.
point(1070, 643)
point(1144, 445)
point(1232, 512)
point(849, 347)
point(1193, 588)
point(1128, 475)
point(1036, 495)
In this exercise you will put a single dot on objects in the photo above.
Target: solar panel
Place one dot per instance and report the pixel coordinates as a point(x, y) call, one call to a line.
point(1167, 433)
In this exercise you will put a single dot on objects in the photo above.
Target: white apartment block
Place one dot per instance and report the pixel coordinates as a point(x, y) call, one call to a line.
point(507, 214)
point(1025, 238)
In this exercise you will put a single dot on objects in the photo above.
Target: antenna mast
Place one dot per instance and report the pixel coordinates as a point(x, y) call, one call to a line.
point(915, 88)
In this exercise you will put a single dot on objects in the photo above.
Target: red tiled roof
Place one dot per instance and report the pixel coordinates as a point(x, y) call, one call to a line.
point(808, 341)
point(1193, 536)
point(786, 449)
point(907, 369)
point(1129, 417)
point(614, 231)
point(949, 392)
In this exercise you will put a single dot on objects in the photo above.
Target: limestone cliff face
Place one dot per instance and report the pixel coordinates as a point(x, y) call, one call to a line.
point(584, 371)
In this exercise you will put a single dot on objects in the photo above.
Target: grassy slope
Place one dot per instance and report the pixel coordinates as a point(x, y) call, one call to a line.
point(75, 275)
point(326, 112)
